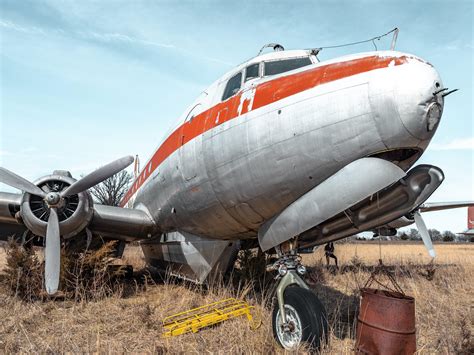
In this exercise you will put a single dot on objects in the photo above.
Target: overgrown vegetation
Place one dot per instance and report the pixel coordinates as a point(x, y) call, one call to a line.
point(250, 270)
point(23, 274)
point(90, 275)
point(132, 323)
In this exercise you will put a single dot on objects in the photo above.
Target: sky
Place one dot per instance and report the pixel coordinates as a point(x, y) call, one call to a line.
point(85, 82)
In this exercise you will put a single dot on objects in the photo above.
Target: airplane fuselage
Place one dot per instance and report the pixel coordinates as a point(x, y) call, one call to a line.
point(229, 165)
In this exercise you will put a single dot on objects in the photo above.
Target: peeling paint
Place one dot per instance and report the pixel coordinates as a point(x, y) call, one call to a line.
point(247, 97)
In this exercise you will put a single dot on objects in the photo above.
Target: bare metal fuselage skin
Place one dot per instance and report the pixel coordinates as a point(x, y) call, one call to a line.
point(282, 146)
point(230, 166)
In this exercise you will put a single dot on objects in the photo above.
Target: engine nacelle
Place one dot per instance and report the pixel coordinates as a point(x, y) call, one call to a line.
point(402, 221)
point(74, 212)
point(390, 208)
point(385, 232)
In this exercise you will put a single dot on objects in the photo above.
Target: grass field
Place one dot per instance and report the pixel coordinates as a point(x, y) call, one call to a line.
point(132, 322)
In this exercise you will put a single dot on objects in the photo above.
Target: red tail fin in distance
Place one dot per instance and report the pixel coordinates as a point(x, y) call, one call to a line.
point(470, 217)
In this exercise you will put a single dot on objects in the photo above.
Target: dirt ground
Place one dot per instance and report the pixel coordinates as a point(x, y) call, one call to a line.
point(132, 322)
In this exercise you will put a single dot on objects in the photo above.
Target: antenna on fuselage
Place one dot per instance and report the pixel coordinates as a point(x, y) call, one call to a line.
point(276, 47)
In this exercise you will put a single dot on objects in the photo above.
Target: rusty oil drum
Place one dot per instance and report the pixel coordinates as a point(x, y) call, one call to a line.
point(386, 323)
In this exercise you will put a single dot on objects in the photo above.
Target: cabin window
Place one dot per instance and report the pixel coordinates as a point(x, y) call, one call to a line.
point(252, 72)
point(281, 66)
point(233, 86)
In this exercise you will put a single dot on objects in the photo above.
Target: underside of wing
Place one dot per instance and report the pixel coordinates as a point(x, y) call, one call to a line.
point(10, 226)
point(439, 206)
point(324, 216)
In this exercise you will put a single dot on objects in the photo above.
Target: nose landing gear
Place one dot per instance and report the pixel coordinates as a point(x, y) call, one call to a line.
point(298, 316)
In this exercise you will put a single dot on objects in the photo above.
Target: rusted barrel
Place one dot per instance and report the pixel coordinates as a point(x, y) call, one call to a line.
point(386, 323)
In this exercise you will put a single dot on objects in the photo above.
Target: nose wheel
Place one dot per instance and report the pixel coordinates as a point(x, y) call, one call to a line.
point(305, 320)
point(298, 316)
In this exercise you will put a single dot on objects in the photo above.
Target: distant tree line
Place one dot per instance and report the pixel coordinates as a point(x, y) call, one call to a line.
point(414, 235)
point(436, 235)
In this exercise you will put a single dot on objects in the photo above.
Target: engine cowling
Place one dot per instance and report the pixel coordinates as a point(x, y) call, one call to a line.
point(403, 221)
point(393, 207)
point(74, 212)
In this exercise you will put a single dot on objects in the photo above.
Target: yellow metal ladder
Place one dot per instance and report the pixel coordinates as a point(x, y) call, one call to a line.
point(198, 318)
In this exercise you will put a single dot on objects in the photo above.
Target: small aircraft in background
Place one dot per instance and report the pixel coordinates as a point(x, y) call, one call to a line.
point(282, 152)
point(470, 222)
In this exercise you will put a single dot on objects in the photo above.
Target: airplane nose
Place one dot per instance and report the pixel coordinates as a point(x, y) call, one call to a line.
point(419, 98)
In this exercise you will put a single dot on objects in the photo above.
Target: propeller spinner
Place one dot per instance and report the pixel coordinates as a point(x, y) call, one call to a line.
point(54, 200)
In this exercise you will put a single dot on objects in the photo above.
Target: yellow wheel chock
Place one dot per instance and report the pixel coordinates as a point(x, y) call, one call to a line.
point(205, 316)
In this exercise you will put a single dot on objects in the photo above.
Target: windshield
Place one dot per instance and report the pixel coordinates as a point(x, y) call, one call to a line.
point(284, 65)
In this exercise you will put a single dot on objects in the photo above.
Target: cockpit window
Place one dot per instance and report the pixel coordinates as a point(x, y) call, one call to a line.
point(284, 65)
point(252, 72)
point(233, 86)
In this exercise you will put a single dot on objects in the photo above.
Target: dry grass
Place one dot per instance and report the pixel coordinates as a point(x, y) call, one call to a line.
point(444, 313)
point(133, 323)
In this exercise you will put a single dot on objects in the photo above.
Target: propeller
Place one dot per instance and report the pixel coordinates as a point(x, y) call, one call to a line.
point(425, 235)
point(13, 180)
point(97, 176)
point(54, 200)
point(52, 253)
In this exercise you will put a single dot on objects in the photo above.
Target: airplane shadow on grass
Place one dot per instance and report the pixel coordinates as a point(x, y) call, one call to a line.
point(341, 310)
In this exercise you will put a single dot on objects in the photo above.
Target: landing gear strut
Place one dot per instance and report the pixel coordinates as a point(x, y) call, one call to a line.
point(298, 316)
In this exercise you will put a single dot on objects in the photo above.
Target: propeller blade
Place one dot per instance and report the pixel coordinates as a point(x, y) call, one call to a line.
point(52, 253)
point(425, 235)
point(13, 180)
point(98, 176)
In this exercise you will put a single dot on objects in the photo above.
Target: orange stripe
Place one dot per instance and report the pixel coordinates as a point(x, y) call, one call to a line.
point(266, 93)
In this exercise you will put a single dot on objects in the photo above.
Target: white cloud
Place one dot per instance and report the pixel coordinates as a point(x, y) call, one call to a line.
point(119, 37)
point(15, 27)
point(105, 37)
point(455, 144)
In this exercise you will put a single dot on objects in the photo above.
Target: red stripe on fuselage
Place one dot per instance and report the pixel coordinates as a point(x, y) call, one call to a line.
point(266, 93)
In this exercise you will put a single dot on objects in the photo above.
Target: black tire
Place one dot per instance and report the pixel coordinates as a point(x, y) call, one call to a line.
point(311, 313)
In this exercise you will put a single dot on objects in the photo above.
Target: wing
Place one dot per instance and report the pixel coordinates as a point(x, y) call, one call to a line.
point(439, 206)
point(319, 204)
point(380, 210)
point(9, 225)
point(108, 221)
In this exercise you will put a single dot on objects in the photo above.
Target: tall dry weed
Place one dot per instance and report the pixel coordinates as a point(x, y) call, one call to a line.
point(250, 273)
point(86, 276)
point(91, 275)
point(23, 272)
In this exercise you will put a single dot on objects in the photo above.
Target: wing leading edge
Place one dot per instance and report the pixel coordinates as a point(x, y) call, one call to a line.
point(439, 206)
